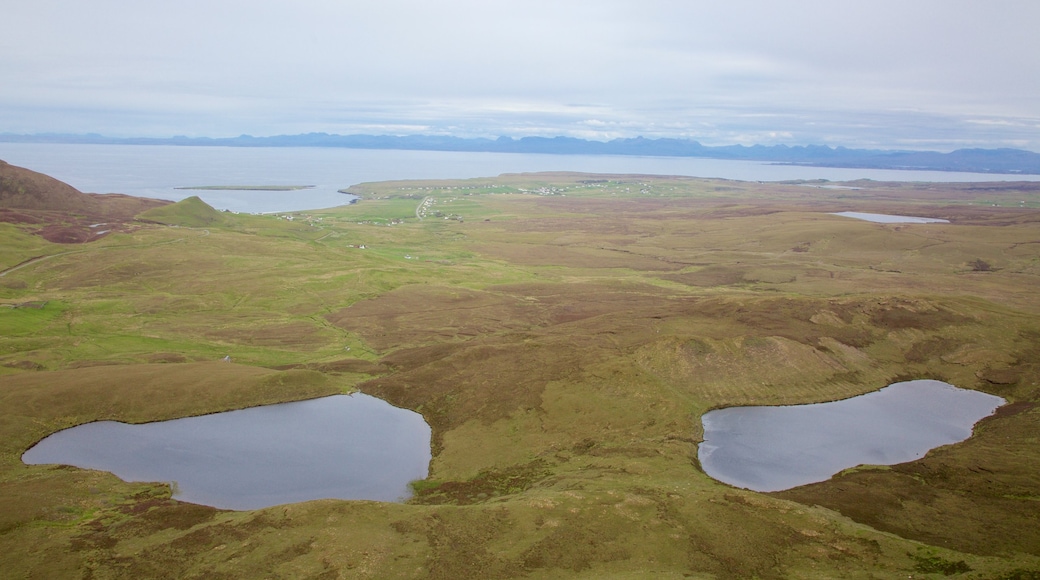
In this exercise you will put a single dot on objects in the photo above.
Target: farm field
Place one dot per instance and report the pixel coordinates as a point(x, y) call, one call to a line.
point(562, 334)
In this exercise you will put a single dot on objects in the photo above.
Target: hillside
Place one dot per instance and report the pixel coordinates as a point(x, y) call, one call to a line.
point(22, 188)
point(60, 213)
point(191, 212)
point(562, 335)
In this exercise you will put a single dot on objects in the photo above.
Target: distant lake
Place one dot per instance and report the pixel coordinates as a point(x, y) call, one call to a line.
point(155, 170)
point(777, 448)
point(881, 218)
point(341, 447)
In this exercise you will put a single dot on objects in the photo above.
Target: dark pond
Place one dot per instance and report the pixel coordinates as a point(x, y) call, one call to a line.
point(776, 448)
point(345, 447)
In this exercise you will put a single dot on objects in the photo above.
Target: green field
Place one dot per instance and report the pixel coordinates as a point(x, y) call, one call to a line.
point(562, 334)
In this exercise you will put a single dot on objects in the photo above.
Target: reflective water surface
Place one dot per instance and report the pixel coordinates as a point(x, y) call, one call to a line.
point(155, 170)
point(776, 448)
point(890, 219)
point(345, 447)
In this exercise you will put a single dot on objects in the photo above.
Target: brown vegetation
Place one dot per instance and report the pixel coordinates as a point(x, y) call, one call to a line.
point(60, 213)
point(563, 347)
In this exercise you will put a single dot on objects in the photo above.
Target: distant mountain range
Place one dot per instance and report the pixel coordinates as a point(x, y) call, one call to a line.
point(1005, 161)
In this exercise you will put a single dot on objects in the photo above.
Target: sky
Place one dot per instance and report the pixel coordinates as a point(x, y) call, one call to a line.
point(888, 74)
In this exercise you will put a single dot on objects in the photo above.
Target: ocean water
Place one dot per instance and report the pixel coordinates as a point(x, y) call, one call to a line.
point(157, 170)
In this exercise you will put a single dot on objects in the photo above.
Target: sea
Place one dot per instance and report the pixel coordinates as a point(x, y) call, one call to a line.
point(158, 171)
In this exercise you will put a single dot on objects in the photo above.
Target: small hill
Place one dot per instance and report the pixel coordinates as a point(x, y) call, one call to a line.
point(191, 212)
point(25, 189)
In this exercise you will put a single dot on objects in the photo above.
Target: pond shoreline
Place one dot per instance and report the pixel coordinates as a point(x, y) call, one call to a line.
point(334, 447)
point(774, 448)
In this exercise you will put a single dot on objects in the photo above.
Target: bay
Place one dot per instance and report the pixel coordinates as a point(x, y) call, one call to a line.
point(157, 170)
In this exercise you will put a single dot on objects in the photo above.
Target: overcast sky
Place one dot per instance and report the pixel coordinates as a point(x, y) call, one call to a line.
point(919, 74)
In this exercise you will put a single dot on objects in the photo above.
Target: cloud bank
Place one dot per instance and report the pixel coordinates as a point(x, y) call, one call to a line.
point(935, 74)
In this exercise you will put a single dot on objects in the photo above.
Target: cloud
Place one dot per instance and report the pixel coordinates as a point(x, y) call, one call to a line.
point(882, 72)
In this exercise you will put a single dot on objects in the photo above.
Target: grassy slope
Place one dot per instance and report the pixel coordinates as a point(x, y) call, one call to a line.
point(563, 348)
point(189, 212)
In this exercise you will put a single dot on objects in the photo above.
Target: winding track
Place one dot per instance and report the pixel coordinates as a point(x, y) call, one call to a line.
point(35, 260)
point(39, 259)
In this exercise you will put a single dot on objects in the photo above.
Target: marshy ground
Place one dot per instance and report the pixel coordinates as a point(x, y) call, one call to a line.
point(562, 334)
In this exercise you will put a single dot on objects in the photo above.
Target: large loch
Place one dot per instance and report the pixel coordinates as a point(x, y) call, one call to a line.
point(342, 447)
point(777, 448)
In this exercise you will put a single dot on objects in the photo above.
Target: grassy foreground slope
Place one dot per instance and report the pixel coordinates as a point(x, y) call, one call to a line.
point(562, 334)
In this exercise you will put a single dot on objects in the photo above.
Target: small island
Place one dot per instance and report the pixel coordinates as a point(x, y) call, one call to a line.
point(247, 187)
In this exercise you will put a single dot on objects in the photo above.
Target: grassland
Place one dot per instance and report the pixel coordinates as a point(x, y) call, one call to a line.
point(562, 334)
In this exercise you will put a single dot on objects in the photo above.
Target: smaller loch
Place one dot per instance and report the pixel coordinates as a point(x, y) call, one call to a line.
point(881, 218)
point(338, 447)
point(777, 448)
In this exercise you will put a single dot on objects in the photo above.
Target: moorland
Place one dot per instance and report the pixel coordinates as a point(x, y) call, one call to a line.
point(562, 334)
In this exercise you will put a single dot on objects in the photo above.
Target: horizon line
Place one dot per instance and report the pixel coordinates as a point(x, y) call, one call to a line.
point(7, 137)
